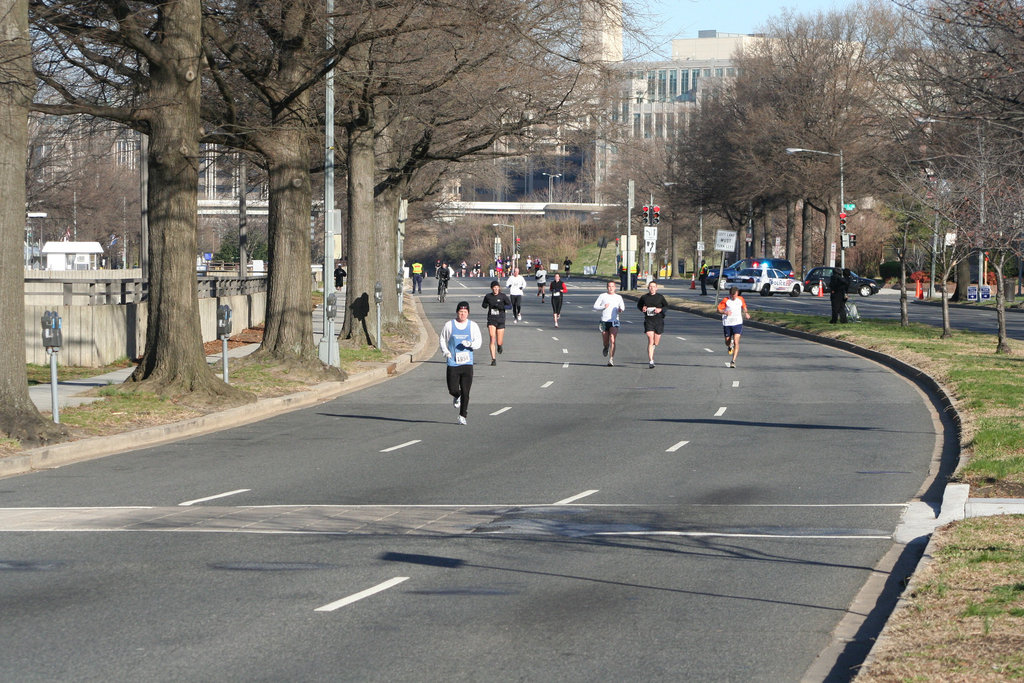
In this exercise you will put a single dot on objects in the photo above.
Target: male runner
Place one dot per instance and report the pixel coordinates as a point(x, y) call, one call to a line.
point(495, 302)
point(610, 304)
point(653, 306)
point(733, 308)
point(516, 283)
point(541, 276)
point(458, 339)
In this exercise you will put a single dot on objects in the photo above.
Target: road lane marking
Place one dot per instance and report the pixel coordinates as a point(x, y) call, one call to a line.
point(565, 350)
point(577, 497)
point(219, 495)
point(725, 534)
point(676, 447)
point(501, 410)
point(401, 445)
point(735, 382)
point(721, 412)
point(565, 365)
point(330, 607)
point(681, 338)
point(555, 338)
point(546, 384)
point(708, 350)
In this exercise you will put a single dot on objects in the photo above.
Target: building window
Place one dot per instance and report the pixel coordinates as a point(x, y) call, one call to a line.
point(696, 75)
point(647, 126)
point(730, 71)
point(662, 85)
point(719, 73)
point(685, 74)
point(636, 125)
point(673, 83)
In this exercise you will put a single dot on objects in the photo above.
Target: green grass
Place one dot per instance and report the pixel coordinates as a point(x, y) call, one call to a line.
point(40, 374)
point(587, 255)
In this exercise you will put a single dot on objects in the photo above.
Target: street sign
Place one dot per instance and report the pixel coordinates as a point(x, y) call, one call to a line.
point(849, 207)
point(497, 247)
point(700, 247)
point(950, 239)
point(725, 240)
point(650, 233)
point(650, 246)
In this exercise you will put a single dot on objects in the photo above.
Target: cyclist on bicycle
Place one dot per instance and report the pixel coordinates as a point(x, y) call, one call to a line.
point(444, 274)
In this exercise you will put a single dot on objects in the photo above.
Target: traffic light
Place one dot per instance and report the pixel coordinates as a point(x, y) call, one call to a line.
point(842, 221)
point(853, 240)
point(647, 215)
point(518, 240)
point(655, 215)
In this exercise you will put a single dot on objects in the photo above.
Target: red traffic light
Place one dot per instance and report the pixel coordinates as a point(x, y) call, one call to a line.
point(842, 215)
point(656, 215)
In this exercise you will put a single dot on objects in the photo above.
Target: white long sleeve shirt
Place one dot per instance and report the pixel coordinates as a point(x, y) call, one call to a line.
point(516, 284)
point(610, 305)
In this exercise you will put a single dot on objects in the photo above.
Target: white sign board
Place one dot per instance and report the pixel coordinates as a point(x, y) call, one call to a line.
point(700, 247)
point(725, 240)
point(650, 246)
point(650, 233)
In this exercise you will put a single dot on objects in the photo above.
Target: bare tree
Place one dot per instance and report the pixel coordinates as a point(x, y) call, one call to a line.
point(140, 64)
point(19, 418)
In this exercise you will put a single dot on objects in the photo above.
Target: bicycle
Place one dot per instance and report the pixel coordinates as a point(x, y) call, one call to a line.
point(442, 290)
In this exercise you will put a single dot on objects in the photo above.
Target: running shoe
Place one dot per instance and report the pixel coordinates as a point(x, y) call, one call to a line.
point(499, 348)
point(556, 324)
point(457, 402)
point(494, 362)
point(732, 364)
point(462, 420)
point(605, 352)
point(651, 364)
point(519, 317)
point(611, 362)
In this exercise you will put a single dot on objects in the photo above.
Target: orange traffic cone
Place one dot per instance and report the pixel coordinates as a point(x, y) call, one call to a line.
point(920, 292)
point(821, 288)
point(693, 281)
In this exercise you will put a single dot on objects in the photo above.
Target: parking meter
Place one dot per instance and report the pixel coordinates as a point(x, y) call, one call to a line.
point(223, 321)
point(332, 305)
point(52, 336)
point(378, 292)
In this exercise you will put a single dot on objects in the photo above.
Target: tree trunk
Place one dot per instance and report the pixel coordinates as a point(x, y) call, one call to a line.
point(807, 239)
point(963, 278)
point(288, 332)
point(1002, 342)
point(385, 216)
point(174, 361)
point(791, 234)
point(360, 327)
point(19, 418)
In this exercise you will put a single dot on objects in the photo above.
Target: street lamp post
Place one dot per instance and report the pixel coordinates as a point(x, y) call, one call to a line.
point(515, 245)
point(551, 184)
point(842, 190)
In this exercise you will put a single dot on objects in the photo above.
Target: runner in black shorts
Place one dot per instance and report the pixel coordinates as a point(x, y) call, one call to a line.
point(558, 288)
point(653, 306)
point(496, 302)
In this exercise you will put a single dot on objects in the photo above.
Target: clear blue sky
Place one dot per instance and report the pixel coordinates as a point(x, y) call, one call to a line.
point(683, 18)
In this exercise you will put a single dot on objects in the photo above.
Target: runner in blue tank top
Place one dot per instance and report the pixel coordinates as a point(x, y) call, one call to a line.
point(458, 339)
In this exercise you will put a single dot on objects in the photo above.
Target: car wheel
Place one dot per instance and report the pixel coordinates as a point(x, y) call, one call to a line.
point(815, 289)
point(795, 291)
point(865, 290)
point(766, 290)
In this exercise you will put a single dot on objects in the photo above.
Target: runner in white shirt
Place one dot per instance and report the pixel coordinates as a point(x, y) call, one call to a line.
point(541, 276)
point(733, 309)
point(610, 304)
point(516, 283)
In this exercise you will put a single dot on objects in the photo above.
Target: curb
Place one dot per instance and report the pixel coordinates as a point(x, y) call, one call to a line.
point(68, 452)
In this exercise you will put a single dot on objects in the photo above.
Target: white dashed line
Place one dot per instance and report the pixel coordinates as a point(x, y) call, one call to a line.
point(721, 412)
point(219, 495)
point(565, 365)
point(565, 350)
point(577, 497)
point(501, 410)
point(401, 445)
point(546, 384)
point(362, 594)
point(676, 447)
point(736, 383)
point(708, 350)
point(681, 338)
point(555, 338)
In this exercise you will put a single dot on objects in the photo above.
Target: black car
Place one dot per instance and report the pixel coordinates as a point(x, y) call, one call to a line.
point(819, 277)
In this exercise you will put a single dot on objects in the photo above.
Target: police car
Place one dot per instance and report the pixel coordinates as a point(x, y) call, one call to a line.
point(765, 281)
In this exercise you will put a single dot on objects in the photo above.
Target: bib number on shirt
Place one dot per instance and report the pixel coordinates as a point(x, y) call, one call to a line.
point(461, 357)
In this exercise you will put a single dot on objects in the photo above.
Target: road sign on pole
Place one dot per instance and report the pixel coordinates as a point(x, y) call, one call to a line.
point(725, 240)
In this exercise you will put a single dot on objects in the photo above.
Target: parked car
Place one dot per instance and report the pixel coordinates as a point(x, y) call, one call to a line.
point(765, 281)
point(820, 276)
point(730, 270)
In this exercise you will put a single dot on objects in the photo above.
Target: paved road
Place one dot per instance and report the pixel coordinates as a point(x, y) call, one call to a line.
point(884, 305)
point(687, 522)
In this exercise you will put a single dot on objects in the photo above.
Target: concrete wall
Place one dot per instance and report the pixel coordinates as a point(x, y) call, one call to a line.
point(99, 335)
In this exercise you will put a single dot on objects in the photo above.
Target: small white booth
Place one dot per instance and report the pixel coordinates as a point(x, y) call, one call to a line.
point(72, 255)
